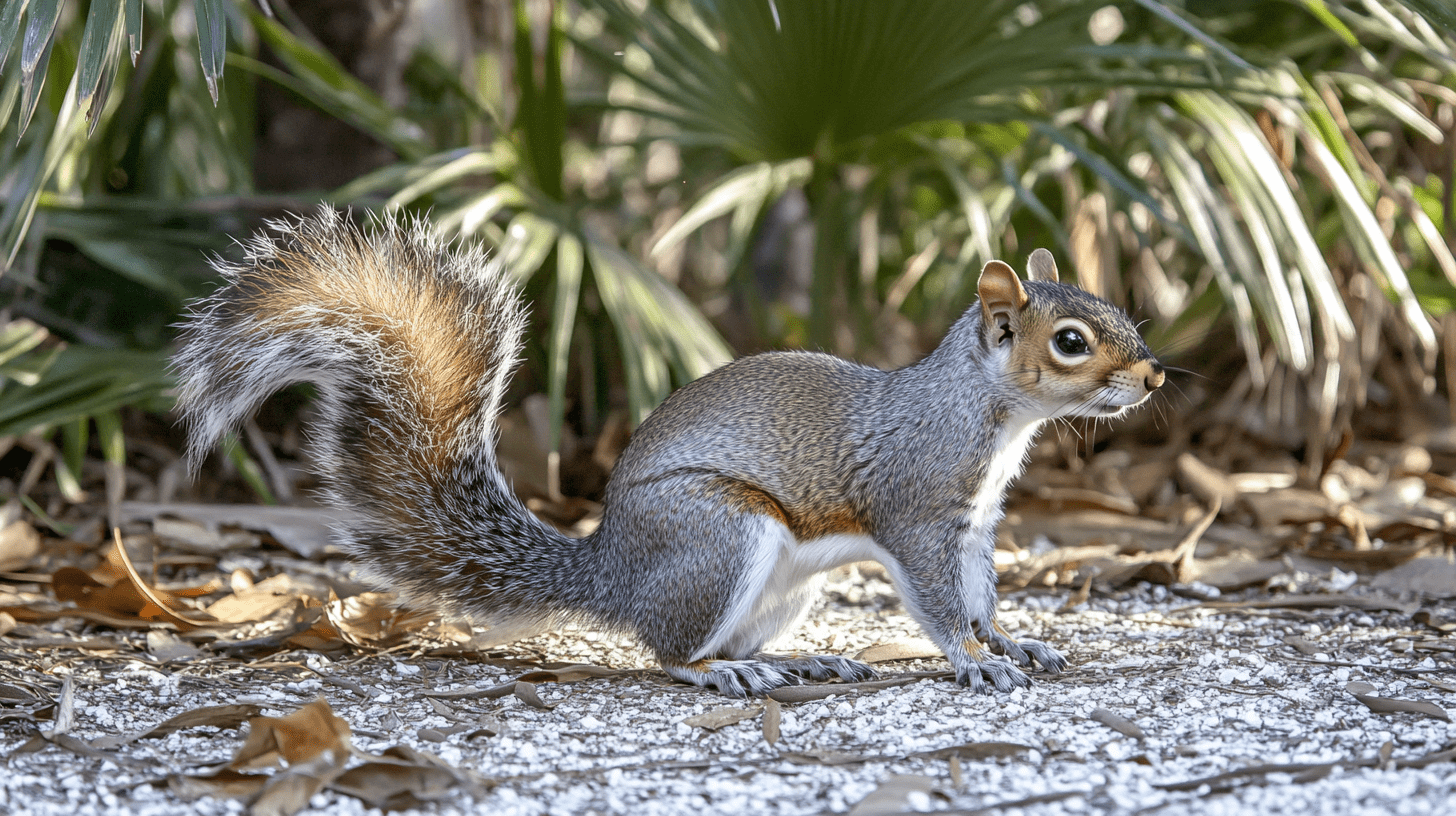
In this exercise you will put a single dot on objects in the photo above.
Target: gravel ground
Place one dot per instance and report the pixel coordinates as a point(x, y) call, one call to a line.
point(1170, 706)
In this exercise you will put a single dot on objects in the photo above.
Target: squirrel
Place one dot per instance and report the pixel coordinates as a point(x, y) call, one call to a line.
point(731, 498)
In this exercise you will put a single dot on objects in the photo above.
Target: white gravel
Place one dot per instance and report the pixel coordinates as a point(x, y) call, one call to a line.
point(1213, 691)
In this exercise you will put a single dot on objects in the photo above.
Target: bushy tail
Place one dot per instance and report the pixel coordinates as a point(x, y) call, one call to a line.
point(411, 342)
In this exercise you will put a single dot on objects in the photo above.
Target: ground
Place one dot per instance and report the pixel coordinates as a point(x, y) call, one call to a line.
point(1171, 705)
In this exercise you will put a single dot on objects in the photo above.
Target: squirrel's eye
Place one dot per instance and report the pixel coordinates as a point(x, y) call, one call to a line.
point(1070, 342)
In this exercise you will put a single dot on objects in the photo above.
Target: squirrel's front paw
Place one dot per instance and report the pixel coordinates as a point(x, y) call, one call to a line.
point(997, 671)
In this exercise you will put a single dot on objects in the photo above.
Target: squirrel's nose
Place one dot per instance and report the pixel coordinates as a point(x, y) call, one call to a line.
point(1155, 379)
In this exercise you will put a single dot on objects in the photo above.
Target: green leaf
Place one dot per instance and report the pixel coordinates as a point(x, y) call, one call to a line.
point(10, 14)
point(35, 55)
point(97, 54)
point(658, 331)
point(16, 338)
point(83, 382)
point(134, 29)
point(211, 40)
point(74, 438)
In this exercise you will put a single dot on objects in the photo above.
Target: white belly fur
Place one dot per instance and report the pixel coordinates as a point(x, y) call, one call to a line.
point(776, 590)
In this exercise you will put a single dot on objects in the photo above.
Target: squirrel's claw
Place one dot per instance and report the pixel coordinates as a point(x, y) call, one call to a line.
point(1001, 674)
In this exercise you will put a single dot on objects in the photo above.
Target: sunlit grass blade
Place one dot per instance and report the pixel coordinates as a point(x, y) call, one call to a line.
point(747, 188)
point(1197, 203)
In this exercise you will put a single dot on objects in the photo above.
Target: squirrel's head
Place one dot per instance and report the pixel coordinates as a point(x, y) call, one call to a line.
point(1071, 352)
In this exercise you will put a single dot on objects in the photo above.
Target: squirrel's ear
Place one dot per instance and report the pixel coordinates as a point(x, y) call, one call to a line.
point(1041, 266)
point(1002, 299)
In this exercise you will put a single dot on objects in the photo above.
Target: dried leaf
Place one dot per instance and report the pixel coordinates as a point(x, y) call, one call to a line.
point(304, 530)
point(893, 795)
point(1432, 576)
point(298, 737)
point(19, 545)
point(372, 620)
point(223, 783)
point(569, 674)
point(1313, 601)
point(1117, 723)
point(65, 716)
point(289, 791)
point(723, 717)
point(1388, 705)
point(165, 646)
point(1425, 618)
point(526, 693)
point(978, 750)
point(818, 691)
point(773, 715)
point(906, 649)
point(401, 778)
point(129, 596)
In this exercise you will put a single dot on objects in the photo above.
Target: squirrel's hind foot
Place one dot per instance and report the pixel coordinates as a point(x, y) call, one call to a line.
point(821, 667)
point(764, 673)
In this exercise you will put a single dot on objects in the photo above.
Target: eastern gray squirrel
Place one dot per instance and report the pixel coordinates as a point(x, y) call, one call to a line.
point(730, 498)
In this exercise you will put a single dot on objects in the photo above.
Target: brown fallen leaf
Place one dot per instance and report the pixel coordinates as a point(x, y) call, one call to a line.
point(773, 715)
point(166, 647)
point(401, 778)
point(723, 717)
point(289, 791)
point(19, 545)
point(569, 674)
point(130, 596)
point(1388, 705)
point(373, 620)
point(1121, 725)
point(297, 737)
point(905, 649)
point(1311, 601)
point(526, 693)
point(818, 691)
point(977, 750)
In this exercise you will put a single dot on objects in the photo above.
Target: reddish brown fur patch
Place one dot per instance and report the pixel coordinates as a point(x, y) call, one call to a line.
point(806, 522)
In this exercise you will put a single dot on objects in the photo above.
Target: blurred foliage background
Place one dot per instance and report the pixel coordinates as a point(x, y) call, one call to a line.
point(1266, 184)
